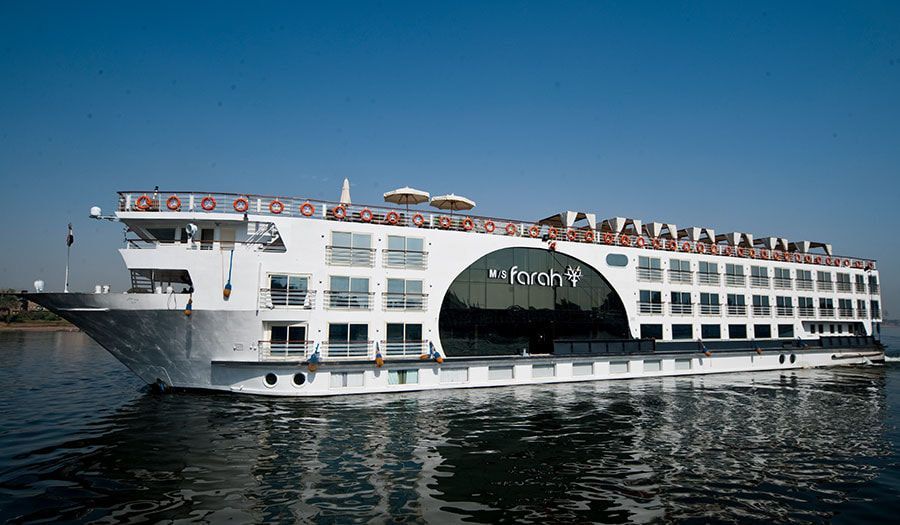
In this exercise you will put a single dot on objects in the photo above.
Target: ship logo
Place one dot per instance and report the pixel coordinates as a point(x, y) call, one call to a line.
point(573, 275)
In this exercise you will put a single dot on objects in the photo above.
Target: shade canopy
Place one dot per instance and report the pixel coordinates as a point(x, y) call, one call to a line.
point(406, 196)
point(452, 202)
point(345, 192)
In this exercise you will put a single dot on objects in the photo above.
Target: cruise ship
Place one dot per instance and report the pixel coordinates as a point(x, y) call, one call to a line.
point(280, 296)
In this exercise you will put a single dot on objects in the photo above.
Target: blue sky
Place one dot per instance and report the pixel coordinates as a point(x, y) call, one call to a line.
point(766, 118)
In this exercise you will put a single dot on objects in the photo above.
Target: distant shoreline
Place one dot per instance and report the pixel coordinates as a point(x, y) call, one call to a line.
point(38, 326)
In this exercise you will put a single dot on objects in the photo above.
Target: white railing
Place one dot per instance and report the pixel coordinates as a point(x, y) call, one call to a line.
point(282, 298)
point(757, 281)
point(824, 286)
point(861, 313)
point(348, 350)
point(649, 274)
point(404, 348)
point(845, 313)
point(404, 301)
point(844, 286)
point(649, 308)
point(860, 287)
point(873, 288)
point(826, 312)
point(709, 278)
point(735, 280)
point(405, 259)
point(710, 309)
point(784, 311)
point(679, 276)
point(807, 311)
point(277, 350)
point(338, 300)
point(762, 310)
point(804, 284)
point(736, 309)
point(783, 283)
point(342, 256)
point(681, 309)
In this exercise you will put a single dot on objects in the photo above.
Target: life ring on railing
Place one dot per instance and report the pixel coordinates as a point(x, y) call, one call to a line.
point(609, 238)
point(713, 249)
point(173, 203)
point(307, 209)
point(763, 253)
point(807, 259)
point(418, 220)
point(143, 203)
point(208, 203)
point(671, 245)
point(858, 264)
point(589, 236)
point(276, 206)
point(468, 224)
point(534, 231)
point(444, 222)
point(511, 229)
point(700, 247)
point(685, 246)
point(366, 215)
point(339, 212)
point(640, 242)
point(752, 253)
point(489, 226)
point(817, 259)
point(571, 235)
point(241, 204)
point(624, 240)
point(552, 233)
point(728, 250)
point(392, 217)
point(741, 252)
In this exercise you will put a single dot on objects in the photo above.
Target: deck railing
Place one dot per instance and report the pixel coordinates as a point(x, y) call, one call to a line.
point(757, 281)
point(782, 283)
point(348, 350)
point(343, 256)
point(804, 284)
point(709, 278)
point(286, 298)
point(738, 310)
point(405, 259)
point(404, 301)
point(404, 348)
point(340, 300)
point(710, 309)
point(844, 286)
point(806, 311)
point(681, 309)
point(784, 311)
point(735, 280)
point(279, 350)
point(653, 275)
point(680, 276)
point(649, 308)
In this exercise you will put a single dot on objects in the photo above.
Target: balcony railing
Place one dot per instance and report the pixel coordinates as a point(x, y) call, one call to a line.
point(735, 280)
point(405, 259)
point(649, 308)
point(845, 313)
point(826, 312)
point(348, 350)
point(342, 256)
point(283, 298)
point(876, 314)
point(404, 348)
point(784, 311)
point(757, 281)
point(679, 276)
point(860, 287)
point(405, 301)
point(873, 288)
point(649, 274)
point(804, 284)
point(762, 310)
point(861, 313)
point(276, 350)
point(844, 286)
point(783, 283)
point(710, 309)
point(736, 309)
point(806, 311)
point(681, 309)
point(338, 300)
point(824, 286)
point(709, 278)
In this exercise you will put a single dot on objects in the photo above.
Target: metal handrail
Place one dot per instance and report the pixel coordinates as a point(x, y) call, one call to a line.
point(757, 281)
point(735, 280)
point(762, 311)
point(278, 298)
point(806, 311)
point(275, 350)
point(709, 278)
point(784, 311)
point(649, 275)
point(844, 286)
point(710, 309)
point(736, 309)
point(783, 283)
point(404, 301)
point(344, 256)
point(805, 284)
point(410, 260)
point(649, 308)
point(824, 286)
point(681, 276)
point(341, 300)
point(348, 350)
point(681, 309)
point(404, 348)
point(846, 313)
point(826, 312)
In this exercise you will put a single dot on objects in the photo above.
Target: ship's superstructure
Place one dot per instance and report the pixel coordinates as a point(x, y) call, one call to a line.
point(286, 296)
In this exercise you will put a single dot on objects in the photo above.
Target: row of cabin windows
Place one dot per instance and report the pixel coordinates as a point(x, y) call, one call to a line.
point(655, 297)
point(737, 270)
point(339, 283)
point(714, 331)
point(359, 333)
point(364, 241)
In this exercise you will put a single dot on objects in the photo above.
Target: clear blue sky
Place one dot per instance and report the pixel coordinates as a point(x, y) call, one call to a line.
point(766, 118)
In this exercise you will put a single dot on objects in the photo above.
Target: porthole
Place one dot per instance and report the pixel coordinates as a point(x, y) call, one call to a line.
point(271, 379)
point(299, 379)
point(781, 359)
point(793, 358)
point(616, 259)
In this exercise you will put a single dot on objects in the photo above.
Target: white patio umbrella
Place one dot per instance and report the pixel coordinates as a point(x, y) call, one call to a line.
point(345, 192)
point(407, 196)
point(452, 202)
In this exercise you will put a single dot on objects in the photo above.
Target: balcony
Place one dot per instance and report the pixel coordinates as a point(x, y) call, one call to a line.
point(826, 312)
point(873, 288)
point(784, 311)
point(860, 287)
point(735, 280)
point(736, 309)
point(341, 256)
point(404, 348)
point(285, 298)
point(679, 276)
point(757, 281)
point(710, 309)
point(861, 313)
point(824, 286)
point(337, 300)
point(405, 259)
point(712, 279)
point(845, 313)
point(783, 283)
point(284, 350)
point(844, 286)
point(653, 275)
point(762, 311)
point(681, 309)
point(348, 350)
point(804, 284)
point(808, 312)
point(649, 308)
point(404, 301)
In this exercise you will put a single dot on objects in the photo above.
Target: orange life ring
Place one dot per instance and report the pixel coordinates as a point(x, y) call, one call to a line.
point(640, 242)
point(418, 220)
point(276, 206)
point(489, 226)
point(307, 209)
point(339, 212)
point(534, 231)
point(728, 250)
point(671, 245)
point(764, 254)
point(685, 246)
point(807, 259)
point(817, 259)
point(468, 224)
point(589, 236)
point(656, 243)
point(143, 203)
point(713, 249)
point(552, 233)
point(173, 203)
point(511, 229)
point(608, 238)
point(392, 217)
point(365, 215)
point(752, 253)
point(742, 252)
point(624, 240)
point(208, 203)
point(700, 247)
point(571, 235)
point(241, 204)
point(445, 222)
point(858, 264)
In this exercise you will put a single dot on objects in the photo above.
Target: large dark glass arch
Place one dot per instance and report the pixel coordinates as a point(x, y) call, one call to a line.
point(486, 315)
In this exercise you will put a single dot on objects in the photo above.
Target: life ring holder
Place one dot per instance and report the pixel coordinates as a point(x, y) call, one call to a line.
point(339, 212)
point(468, 224)
point(366, 215)
point(489, 226)
point(307, 209)
point(445, 222)
point(276, 206)
point(392, 217)
point(173, 203)
point(534, 232)
point(511, 229)
point(241, 204)
point(419, 220)
point(208, 203)
point(143, 203)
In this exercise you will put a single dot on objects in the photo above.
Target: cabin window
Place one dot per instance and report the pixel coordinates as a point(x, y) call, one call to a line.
point(678, 265)
point(651, 331)
point(734, 269)
point(583, 369)
point(786, 331)
point(616, 259)
point(404, 294)
point(347, 379)
point(710, 331)
point(454, 375)
point(499, 373)
point(682, 331)
point(708, 267)
point(618, 367)
point(762, 331)
point(737, 331)
point(405, 252)
point(650, 263)
point(682, 364)
point(289, 290)
point(654, 365)
point(539, 371)
point(403, 377)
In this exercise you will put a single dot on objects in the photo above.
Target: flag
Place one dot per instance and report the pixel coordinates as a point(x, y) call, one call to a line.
point(70, 238)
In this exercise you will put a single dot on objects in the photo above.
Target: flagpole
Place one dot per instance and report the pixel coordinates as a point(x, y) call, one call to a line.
point(68, 253)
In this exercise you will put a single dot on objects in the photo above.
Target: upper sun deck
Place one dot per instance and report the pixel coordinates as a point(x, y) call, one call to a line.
point(558, 228)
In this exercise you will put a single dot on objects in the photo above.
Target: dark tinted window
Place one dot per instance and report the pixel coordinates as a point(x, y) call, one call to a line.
point(682, 331)
point(737, 331)
point(616, 259)
point(762, 331)
point(651, 331)
point(710, 331)
point(785, 330)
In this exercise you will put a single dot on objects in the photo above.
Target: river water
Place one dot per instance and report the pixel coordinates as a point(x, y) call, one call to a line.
point(82, 440)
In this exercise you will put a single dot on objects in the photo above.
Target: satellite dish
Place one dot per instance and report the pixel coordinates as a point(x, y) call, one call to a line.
point(191, 230)
point(96, 212)
point(39, 286)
